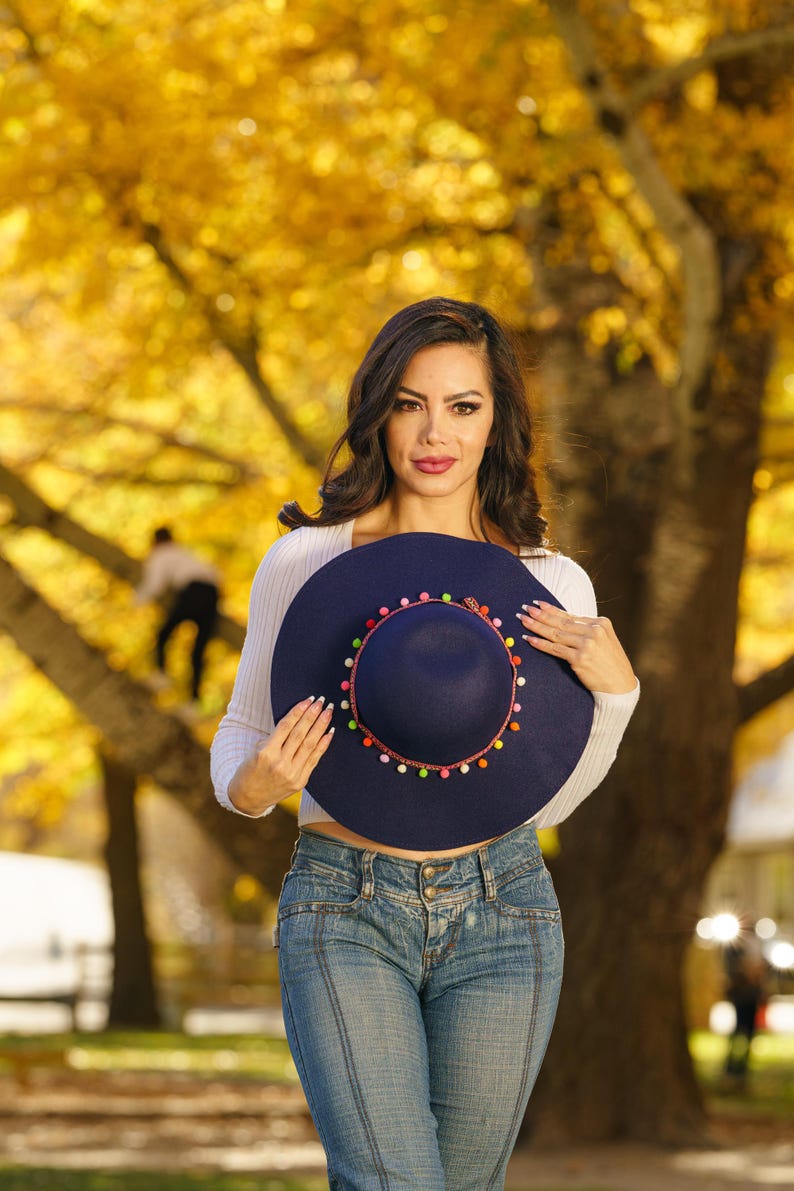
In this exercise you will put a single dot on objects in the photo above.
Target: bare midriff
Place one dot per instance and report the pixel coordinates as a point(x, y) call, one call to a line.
point(337, 831)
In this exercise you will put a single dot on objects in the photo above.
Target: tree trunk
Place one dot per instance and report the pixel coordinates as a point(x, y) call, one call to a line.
point(133, 999)
point(666, 552)
point(633, 864)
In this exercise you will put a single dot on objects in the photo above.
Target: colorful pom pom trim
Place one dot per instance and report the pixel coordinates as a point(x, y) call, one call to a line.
point(424, 768)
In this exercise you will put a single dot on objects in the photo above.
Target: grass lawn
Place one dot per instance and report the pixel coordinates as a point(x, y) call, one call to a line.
point(18, 1179)
point(248, 1055)
point(59, 1180)
point(770, 1085)
point(769, 1089)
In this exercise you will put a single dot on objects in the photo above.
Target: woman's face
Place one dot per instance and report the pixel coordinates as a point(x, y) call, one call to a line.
point(441, 423)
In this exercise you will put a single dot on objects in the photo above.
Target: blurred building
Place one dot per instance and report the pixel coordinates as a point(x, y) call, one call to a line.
point(750, 893)
point(754, 877)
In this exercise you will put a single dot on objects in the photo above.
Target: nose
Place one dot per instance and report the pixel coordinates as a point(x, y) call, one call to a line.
point(434, 430)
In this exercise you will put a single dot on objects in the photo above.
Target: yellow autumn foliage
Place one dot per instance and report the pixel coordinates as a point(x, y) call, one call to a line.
point(185, 187)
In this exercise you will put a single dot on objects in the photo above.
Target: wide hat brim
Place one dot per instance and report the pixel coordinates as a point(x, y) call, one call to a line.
point(338, 606)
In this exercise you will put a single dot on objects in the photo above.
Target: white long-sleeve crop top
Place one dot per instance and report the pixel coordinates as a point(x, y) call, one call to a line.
point(283, 571)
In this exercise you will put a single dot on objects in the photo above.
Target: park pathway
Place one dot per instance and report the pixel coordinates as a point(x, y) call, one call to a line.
point(174, 1121)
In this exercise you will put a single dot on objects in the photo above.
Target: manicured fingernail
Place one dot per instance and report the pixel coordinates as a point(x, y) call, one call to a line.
point(331, 731)
point(321, 699)
point(328, 709)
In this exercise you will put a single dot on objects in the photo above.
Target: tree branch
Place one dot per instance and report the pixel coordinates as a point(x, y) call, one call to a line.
point(722, 49)
point(144, 738)
point(677, 220)
point(166, 437)
point(244, 353)
point(33, 511)
point(759, 694)
point(138, 476)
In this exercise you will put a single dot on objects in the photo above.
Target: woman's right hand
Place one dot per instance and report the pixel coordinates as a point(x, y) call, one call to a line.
point(286, 760)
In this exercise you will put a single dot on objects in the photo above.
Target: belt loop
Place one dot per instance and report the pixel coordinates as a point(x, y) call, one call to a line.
point(487, 874)
point(368, 877)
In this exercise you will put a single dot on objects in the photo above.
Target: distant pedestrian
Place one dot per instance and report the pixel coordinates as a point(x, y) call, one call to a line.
point(193, 585)
point(745, 988)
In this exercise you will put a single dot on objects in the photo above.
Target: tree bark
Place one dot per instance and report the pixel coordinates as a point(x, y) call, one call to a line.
point(145, 739)
point(133, 998)
point(666, 555)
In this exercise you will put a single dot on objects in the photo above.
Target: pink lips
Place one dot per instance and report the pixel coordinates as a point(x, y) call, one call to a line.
point(434, 465)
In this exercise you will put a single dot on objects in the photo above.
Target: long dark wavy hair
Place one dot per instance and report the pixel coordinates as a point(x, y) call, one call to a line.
point(506, 479)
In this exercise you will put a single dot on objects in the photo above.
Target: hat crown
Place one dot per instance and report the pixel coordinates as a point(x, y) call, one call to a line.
point(434, 682)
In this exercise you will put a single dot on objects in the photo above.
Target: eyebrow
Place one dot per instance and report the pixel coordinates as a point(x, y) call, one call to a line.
point(452, 396)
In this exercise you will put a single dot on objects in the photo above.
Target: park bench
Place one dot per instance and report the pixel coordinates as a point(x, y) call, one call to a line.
point(69, 998)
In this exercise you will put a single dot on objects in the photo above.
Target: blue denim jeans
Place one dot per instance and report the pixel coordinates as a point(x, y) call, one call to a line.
point(418, 1001)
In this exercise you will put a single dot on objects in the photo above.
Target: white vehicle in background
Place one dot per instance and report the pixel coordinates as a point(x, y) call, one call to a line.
point(56, 934)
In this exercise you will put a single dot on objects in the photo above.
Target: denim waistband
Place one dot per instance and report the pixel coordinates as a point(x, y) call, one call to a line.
point(375, 871)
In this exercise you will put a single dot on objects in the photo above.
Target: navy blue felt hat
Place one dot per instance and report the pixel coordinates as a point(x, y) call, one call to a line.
point(450, 729)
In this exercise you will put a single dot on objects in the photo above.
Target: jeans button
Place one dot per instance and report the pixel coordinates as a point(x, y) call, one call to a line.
point(431, 892)
point(428, 871)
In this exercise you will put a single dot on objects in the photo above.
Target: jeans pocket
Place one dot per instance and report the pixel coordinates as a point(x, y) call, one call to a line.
point(527, 892)
point(306, 891)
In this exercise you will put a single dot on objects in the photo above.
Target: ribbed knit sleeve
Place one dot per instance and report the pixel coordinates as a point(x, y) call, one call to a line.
point(611, 714)
point(249, 717)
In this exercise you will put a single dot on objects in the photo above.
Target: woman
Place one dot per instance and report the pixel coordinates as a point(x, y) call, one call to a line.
point(419, 1020)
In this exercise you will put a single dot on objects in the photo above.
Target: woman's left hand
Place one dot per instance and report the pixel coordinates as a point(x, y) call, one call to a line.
point(587, 643)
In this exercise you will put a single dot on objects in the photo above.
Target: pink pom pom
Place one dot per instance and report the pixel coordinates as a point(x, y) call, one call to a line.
point(383, 611)
point(443, 773)
point(496, 622)
point(385, 758)
point(423, 595)
point(345, 686)
point(516, 707)
point(404, 602)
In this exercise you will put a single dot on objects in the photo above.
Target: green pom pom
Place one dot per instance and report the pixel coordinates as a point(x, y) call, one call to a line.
point(352, 724)
point(446, 597)
point(357, 643)
point(423, 773)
